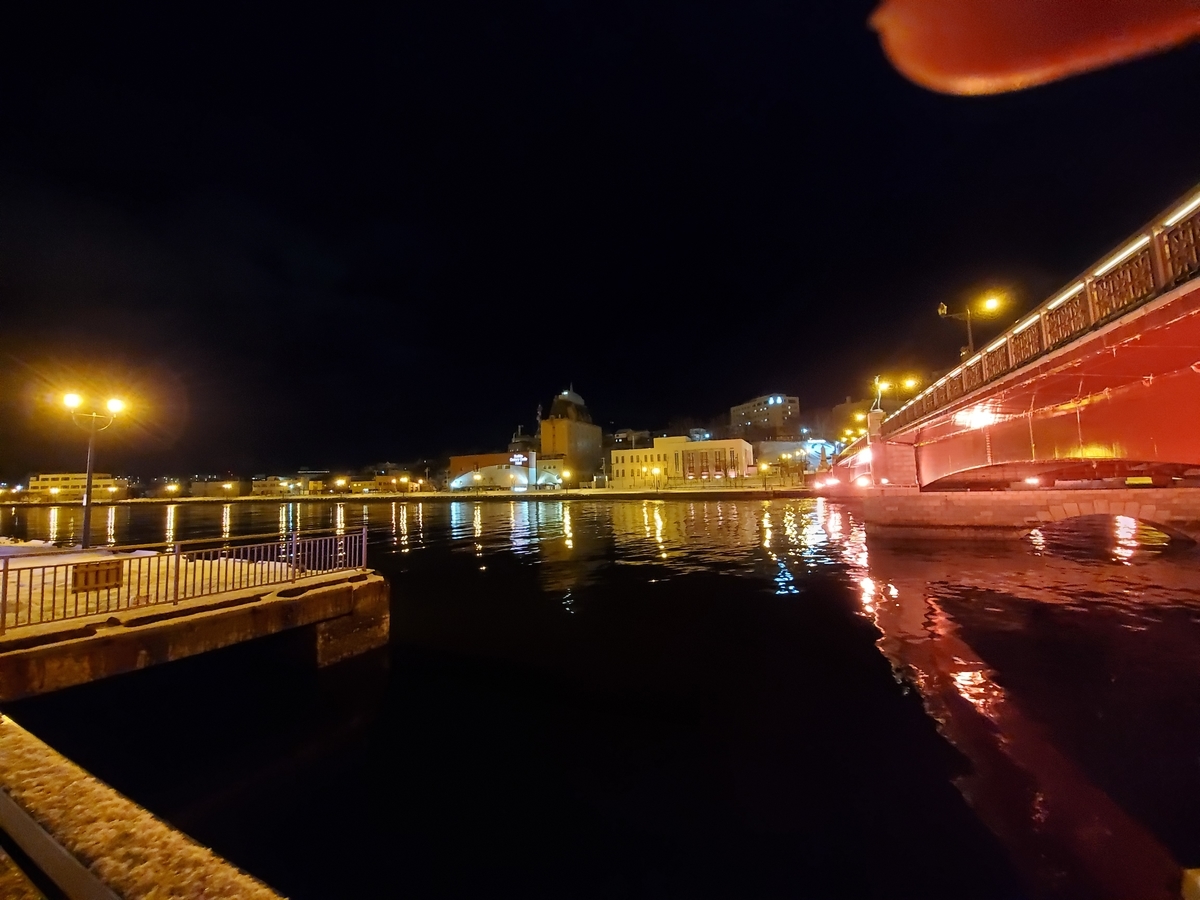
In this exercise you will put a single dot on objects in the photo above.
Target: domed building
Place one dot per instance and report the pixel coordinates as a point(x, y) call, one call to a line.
point(568, 434)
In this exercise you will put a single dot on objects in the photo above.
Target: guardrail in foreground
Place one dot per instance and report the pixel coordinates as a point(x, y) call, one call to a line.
point(35, 590)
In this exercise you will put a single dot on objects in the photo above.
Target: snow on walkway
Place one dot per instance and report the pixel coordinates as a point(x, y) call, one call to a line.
point(45, 584)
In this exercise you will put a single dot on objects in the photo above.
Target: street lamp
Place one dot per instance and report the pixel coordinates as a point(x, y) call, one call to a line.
point(656, 471)
point(566, 476)
point(91, 422)
point(763, 468)
point(986, 308)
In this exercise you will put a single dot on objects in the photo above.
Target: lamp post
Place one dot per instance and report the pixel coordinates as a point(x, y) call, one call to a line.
point(91, 422)
point(763, 468)
point(566, 475)
point(656, 471)
point(988, 307)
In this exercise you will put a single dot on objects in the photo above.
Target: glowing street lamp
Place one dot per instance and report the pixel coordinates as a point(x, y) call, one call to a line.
point(91, 422)
point(656, 471)
point(987, 307)
point(172, 488)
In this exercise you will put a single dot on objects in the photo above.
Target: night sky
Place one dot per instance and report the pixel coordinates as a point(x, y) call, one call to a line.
point(331, 239)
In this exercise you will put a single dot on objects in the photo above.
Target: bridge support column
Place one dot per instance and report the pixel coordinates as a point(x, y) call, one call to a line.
point(892, 463)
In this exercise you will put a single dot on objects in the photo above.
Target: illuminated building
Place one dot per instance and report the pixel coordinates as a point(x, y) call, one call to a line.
point(69, 487)
point(569, 436)
point(773, 413)
point(510, 471)
point(275, 485)
point(219, 487)
point(680, 462)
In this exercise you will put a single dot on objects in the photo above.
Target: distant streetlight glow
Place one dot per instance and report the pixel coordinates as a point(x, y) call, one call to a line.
point(114, 405)
point(71, 401)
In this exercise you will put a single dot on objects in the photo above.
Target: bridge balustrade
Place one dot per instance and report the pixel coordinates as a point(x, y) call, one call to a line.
point(1124, 286)
point(1161, 257)
point(1181, 249)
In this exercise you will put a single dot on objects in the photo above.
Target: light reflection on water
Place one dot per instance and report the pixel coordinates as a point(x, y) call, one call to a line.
point(1005, 643)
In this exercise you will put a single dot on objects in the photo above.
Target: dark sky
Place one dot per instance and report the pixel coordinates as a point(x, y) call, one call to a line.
point(328, 239)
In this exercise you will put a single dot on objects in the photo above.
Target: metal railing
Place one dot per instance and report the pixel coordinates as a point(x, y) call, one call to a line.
point(57, 585)
point(1159, 258)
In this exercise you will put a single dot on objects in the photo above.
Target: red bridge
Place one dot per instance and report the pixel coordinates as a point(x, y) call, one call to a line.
point(1101, 381)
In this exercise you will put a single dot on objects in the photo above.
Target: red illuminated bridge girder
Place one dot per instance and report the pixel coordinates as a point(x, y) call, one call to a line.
point(1121, 400)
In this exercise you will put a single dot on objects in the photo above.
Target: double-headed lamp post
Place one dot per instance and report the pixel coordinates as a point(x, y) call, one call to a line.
point(91, 422)
point(883, 385)
point(987, 307)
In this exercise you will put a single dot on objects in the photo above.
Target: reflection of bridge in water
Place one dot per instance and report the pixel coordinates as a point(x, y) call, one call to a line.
point(1098, 384)
point(1059, 669)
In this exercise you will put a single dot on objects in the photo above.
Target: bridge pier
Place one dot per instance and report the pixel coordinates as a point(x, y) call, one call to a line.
point(956, 515)
point(892, 463)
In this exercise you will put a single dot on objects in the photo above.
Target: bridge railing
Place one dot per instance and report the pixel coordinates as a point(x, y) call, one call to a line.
point(1162, 256)
point(53, 586)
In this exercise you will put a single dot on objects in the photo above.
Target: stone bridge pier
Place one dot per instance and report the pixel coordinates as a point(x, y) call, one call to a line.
point(906, 513)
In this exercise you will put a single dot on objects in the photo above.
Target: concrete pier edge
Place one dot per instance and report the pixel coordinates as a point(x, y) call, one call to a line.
point(903, 513)
point(96, 844)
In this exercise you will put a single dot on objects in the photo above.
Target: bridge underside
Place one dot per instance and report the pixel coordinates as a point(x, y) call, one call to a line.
point(1122, 401)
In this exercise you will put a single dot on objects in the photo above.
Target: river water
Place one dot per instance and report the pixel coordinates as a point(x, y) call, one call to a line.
point(675, 698)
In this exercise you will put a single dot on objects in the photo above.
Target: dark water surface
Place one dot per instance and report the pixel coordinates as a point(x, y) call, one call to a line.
point(679, 699)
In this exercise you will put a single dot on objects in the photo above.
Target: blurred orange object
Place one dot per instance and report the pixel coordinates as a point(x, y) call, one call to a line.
point(991, 46)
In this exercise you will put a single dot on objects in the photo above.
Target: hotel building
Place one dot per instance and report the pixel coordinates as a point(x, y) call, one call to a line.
point(776, 413)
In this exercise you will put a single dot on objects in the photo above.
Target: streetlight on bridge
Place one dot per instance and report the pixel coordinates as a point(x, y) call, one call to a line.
point(985, 308)
point(91, 422)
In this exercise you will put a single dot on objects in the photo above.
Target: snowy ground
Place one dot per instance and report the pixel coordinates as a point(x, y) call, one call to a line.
point(46, 584)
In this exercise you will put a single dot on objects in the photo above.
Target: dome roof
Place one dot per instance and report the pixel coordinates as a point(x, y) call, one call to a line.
point(569, 405)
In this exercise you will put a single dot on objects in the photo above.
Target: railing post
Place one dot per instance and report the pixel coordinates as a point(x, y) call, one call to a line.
point(178, 560)
point(362, 557)
point(4, 596)
point(294, 561)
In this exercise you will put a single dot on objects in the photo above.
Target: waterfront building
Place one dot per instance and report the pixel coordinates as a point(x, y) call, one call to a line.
point(220, 487)
point(70, 486)
point(680, 461)
point(275, 485)
point(569, 436)
point(503, 471)
point(776, 414)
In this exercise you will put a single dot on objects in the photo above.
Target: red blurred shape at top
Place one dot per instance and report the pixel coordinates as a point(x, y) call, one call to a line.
point(992, 46)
